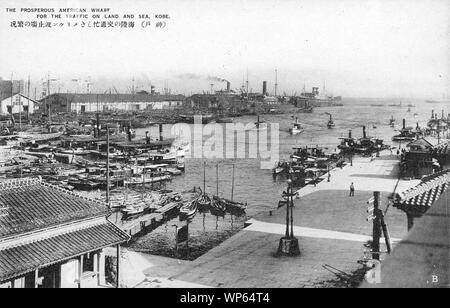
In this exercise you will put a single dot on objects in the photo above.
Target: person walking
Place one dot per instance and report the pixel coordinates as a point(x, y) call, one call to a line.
point(352, 190)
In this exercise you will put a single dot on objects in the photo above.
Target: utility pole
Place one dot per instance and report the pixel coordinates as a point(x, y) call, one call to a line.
point(288, 245)
point(12, 94)
point(232, 184)
point(217, 180)
point(107, 165)
point(49, 104)
point(28, 101)
point(276, 82)
point(379, 226)
point(20, 107)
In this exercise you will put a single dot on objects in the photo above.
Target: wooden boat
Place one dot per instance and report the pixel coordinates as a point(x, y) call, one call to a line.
point(204, 203)
point(77, 151)
point(281, 167)
point(224, 120)
point(147, 180)
point(41, 137)
point(233, 207)
point(259, 125)
point(217, 208)
point(83, 184)
point(181, 166)
point(173, 171)
point(188, 211)
point(134, 210)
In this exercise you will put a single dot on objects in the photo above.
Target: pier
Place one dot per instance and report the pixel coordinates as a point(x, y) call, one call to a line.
point(149, 222)
point(331, 228)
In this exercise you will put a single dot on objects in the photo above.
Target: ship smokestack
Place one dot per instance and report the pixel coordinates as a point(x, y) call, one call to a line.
point(404, 123)
point(432, 114)
point(264, 91)
point(364, 132)
point(228, 86)
point(350, 134)
point(161, 132)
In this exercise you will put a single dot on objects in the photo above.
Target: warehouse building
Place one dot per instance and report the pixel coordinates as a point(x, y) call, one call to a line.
point(18, 103)
point(82, 103)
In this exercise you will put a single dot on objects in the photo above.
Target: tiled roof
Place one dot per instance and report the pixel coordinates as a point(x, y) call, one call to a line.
point(443, 148)
point(18, 260)
point(418, 200)
point(420, 141)
point(29, 205)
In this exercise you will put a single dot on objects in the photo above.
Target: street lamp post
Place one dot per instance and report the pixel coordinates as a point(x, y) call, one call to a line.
point(288, 245)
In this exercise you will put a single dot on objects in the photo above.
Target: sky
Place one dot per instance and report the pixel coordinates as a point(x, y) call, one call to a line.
point(359, 48)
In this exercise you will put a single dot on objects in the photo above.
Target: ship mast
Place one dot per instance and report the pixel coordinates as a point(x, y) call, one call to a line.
point(276, 82)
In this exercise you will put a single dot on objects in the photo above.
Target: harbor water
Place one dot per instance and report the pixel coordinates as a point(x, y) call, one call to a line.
point(257, 186)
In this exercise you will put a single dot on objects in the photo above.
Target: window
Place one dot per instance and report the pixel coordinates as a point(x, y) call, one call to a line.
point(88, 263)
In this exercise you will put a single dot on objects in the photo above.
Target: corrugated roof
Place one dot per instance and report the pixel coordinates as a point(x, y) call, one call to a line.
point(18, 260)
point(32, 205)
point(419, 199)
point(94, 98)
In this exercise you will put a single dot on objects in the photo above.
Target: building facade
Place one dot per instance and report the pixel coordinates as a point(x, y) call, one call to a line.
point(18, 103)
point(84, 103)
point(52, 238)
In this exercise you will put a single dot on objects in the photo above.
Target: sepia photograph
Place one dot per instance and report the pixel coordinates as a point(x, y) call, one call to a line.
point(224, 151)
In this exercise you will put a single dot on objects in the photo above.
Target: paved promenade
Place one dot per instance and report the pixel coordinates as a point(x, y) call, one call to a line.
point(330, 226)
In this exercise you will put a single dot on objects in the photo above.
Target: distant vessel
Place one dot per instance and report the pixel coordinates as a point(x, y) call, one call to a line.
point(330, 123)
point(296, 127)
point(392, 122)
point(308, 100)
point(406, 134)
point(259, 125)
point(396, 105)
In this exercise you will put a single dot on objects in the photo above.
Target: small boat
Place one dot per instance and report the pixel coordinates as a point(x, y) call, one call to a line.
point(83, 184)
point(281, 167)
point(147, 180)
point(392, 122)
point(224, 120)
point(217, 208)
point(233, 207)
point(188, 211)
point(180, 166)
point(296, 128)
point(174, 171)
point(330, 123)
point(204, 203)
point(259, 125)
point(77, 151)
point(131, 210)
